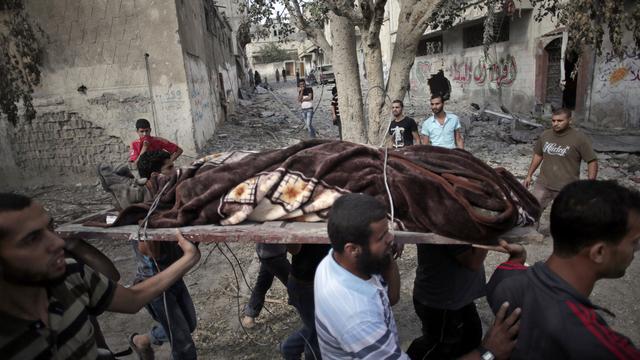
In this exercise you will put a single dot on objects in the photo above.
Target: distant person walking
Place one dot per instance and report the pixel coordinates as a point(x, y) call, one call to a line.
point(560, 150)
point(284, 75)
point(335, 111)
point(277, 75)
point(297, 77)
point(257, 78)
point(305, 98)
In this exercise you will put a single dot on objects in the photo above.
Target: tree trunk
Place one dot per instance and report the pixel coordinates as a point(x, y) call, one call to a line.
point(376, 93)
point(345, 66)
point(404, 55)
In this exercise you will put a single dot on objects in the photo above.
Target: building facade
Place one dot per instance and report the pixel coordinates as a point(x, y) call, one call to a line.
point(108, 63)
point(526, 69)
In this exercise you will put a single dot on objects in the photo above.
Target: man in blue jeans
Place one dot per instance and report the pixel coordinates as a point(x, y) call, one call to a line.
point(153, 257)
point(304, 263)
point(305, 98)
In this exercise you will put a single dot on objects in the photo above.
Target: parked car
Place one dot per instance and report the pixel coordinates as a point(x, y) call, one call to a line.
point(326, 74)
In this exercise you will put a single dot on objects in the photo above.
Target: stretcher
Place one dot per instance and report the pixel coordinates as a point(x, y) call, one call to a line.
point(281, 232)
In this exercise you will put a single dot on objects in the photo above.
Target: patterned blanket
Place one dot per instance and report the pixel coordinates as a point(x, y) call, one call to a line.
point(449, 192)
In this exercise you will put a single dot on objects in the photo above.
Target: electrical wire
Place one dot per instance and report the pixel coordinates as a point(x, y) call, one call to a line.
point(235, 275)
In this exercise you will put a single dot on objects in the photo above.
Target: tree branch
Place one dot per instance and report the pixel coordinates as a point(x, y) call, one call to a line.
point(347, 9)
point(315, 34)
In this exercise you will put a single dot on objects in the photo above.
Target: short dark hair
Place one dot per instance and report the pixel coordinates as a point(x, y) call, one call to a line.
point(562, 111)
point(350, 217)
point(588, 211)
point(143, 124)
point(438, 95)
point(12, 202)
point(151, 161)
point(396, 101)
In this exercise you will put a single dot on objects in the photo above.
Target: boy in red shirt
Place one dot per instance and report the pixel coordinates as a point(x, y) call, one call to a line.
point(146, 142)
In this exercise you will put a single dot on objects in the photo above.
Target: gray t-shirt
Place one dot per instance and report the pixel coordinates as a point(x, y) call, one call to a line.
point(442, 282)
point(561, 156)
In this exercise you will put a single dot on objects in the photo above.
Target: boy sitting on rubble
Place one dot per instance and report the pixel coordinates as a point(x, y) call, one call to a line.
point(146, 142)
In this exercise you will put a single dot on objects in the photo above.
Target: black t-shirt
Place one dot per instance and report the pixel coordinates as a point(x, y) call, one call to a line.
point(307, 91)
point(305, 263)
point(406, 127)
point(442, 282)
point(334, 103)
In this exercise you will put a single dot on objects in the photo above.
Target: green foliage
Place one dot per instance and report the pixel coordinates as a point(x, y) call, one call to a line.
point(588, 20)
point(271, 52)
point(20, 60)
point(262, 19)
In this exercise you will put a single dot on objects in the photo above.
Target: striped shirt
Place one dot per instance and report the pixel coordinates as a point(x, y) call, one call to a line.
point(353, 316)
point(70, 334)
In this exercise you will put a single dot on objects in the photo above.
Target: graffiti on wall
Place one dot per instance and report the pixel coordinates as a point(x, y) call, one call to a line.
point(501, 73)
point(200, 93)
point(421, 73)
point(617, 75)
point(466, 71)
point(617, 86)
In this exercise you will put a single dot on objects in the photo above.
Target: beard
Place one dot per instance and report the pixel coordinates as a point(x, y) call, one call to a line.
point(370, 264)
point(22, 277)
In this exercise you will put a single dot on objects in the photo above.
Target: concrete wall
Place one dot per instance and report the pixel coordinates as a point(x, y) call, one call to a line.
point(269, 70)
point(208, 53)
point(616, 89)
point(506, 76)
point(100, 46)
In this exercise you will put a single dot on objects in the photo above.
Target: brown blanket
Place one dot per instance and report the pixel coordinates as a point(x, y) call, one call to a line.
point(449, 192)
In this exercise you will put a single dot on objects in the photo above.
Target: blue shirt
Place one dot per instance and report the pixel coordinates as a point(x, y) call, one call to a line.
point(353, 316)
point(441, 135)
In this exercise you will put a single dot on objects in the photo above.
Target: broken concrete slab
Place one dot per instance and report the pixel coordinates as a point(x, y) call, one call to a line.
point(615, 143)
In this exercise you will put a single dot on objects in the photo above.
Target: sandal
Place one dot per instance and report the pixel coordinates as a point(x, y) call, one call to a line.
point(143, 354)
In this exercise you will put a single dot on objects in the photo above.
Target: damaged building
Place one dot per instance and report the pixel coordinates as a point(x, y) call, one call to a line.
point(108, 63)
point(526, 69)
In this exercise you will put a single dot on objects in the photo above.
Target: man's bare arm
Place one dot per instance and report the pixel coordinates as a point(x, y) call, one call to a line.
point(459, 139)
point(416, 138)
point(392, 277)
point(535, 162)
point(176, 154)
point(425, 140)
point(592, 169)
point(501, 337)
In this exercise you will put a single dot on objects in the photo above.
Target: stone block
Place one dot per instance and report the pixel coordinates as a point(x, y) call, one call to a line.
point(63, 31)
point(85, 8)
point(109, 52)
point(71, 10)
point(113, 8)
point(103, 30)
point(132, 28)
point(121, 53)
point(76, 35)
point(90, 33)
point(127, 8)
point(118, 26)
point(98, 9)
